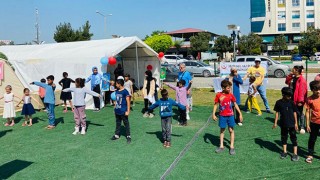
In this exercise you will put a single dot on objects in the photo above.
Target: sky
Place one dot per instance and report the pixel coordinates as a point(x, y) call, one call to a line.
point(129, 17)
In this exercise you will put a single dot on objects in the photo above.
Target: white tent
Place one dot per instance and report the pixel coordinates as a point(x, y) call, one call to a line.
point(33, 62)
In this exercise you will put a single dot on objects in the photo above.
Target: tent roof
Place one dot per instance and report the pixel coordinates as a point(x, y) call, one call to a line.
point(78, 50)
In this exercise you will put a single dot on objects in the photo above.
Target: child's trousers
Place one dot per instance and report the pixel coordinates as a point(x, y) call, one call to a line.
point(252, 102)
point(313, 137)
point(80, 116)
point(166, 128)
point(125, 120)
point(50, 113)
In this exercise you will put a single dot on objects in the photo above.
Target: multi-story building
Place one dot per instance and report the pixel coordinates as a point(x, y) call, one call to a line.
point(270, 18)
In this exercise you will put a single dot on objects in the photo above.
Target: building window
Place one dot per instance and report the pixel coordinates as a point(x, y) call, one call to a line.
point(281, 3)
point(269, 23)
point(295, 3)
point(310, 14)
point(310, 2)
point(310, 24)
point(282, 27)
point(295, 14)
point(269, 5)
point(296, 26)
point(281, 14)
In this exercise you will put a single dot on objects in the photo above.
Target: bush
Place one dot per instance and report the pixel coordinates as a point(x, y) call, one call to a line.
point(3, 56)
point(284, 58)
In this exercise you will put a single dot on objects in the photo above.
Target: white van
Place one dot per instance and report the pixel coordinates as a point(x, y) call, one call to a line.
point(275, 68)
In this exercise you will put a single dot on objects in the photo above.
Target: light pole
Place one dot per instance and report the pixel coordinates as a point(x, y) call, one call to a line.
point(105, 21)
point(235, 34)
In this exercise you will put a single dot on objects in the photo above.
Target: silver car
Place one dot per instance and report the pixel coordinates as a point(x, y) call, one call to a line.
point(199, 68)
point(275, 68)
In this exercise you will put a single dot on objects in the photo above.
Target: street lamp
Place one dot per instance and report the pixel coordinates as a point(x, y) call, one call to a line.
point(105, 21)
point(235, 34)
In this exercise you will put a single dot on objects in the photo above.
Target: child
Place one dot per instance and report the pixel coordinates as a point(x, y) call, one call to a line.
point(49, 99)
point(122, 110)
point(313, 117)
point(9, 111)
point(27, 108)
point(181, 97)
point(128, 86)
point(112, 89)
point(80, 104)
point(166, 104)
point(156, 89)
point(225, 100)
point(252, 100)
point(288, 122)
point(66, 96)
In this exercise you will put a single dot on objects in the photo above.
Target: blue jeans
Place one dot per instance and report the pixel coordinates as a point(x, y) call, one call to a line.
point(263, 93)
point(50, 112)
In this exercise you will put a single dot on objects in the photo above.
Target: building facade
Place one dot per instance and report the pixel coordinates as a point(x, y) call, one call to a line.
point(270, 18)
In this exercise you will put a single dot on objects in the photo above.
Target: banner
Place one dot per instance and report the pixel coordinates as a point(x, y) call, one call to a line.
point(1, 70)
point(163, 73)
point(242, 67)
point(105, 82)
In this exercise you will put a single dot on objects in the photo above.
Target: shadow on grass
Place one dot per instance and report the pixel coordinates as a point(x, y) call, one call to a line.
point(159, 135)
point(12, 167)
point(270, 119)
point(175, 114)
point(88, 123)
point(59, 120)
point(3, 133)
point(268, 145)
point(18, 119)
point(214, 140)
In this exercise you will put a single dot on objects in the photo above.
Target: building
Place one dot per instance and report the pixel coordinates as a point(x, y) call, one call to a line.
point(185, 35)
point(5, 42)
point(270, 18)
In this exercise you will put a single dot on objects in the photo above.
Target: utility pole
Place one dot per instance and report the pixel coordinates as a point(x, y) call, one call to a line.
point(37, 40)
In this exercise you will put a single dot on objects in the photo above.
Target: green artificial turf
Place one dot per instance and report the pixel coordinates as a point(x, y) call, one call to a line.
point(37, 153)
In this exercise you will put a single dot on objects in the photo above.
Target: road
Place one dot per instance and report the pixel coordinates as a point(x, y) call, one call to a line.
point(273, 83)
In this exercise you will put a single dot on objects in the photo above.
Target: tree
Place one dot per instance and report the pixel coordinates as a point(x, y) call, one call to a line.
point(156, 32)
point(310, 41)
point(295, 51)
point(200, 42)
point(250, 44)
point(159, 42)
point(3, 56)
point(178, 44)
point(222, 45)
point(65, 33)
point(279, 44)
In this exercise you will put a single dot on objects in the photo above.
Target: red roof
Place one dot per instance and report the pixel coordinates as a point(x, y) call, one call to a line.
point(187, 30)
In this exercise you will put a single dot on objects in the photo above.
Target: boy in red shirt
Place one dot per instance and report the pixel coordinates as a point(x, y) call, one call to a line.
point(225, 100)
point(313, 117)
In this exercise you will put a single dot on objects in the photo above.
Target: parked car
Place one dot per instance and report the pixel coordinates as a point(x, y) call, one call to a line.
point(172, 72)
point(172, 59)
point(275, 68)
point(296, 57)
point(199, 68)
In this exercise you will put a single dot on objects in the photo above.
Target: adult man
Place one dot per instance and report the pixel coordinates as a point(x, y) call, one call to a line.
point(259, 72)
point(186, 76)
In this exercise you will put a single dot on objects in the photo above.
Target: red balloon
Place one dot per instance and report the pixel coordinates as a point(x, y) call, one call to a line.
point(112, 60)
point(149, 67)
point(161, 54)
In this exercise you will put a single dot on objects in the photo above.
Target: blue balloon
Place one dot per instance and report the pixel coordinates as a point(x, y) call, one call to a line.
point(113, 96)
point(104, 60)
point(118, 58)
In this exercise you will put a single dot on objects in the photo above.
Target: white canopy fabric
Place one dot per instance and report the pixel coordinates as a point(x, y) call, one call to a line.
point(33, 62)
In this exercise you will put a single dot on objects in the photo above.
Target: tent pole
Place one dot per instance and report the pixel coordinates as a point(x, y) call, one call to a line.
point(137, 65)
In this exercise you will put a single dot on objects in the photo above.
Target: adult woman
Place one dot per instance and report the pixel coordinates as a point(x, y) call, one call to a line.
point(236, 80)
point(299, 86)
point(148, 92)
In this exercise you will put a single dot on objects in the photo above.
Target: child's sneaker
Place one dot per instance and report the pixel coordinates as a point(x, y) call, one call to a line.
point(128, 139)
point(115, 137)
point(165, 144)
point(295, 158)
point(219, 150)
point(232, 151)
point(145, 115)
point(247, 112)
point(76, 131)
point(151, 115)
point(188, 117)
point(83, 131)
point(302, 131)
point(283, 155)
point(240, 124)
point(168, 144)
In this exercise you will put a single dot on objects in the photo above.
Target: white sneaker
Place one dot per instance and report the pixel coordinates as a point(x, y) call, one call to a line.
point(146, 115)
point(83, 131)
point(76, 131)
point(240, 124)
point(188, 117)
point(151, 115)
point(302, 131)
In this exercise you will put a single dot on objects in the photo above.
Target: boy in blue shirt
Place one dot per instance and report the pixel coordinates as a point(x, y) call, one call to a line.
point(49, 99)
point(166, 104)
point(122, 110)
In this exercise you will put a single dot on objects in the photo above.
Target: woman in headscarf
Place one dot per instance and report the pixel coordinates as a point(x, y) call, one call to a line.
point(148, 92)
